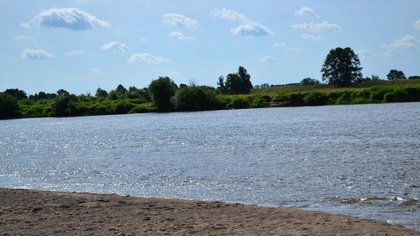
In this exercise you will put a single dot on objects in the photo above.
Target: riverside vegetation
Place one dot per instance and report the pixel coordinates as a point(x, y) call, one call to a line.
point(341, 70)
point(200, 98)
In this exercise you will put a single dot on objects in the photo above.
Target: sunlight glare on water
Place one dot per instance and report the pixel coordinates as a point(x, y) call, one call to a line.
point(360, 160)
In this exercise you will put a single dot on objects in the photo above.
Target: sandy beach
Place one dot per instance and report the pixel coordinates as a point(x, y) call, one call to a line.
point(30, 212)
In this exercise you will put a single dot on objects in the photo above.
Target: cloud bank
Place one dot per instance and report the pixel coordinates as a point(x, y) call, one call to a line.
point(25, 38)
point(313, 31)
point(147, 57)
point(267, 59)
point(70, 18)
point(417, 24)
point(180, 36)
point(36, 54)
point(115, 46)
point(75, 53)
point(247, 26)
point(180, 20)
point(305, 11)
point(406, 42)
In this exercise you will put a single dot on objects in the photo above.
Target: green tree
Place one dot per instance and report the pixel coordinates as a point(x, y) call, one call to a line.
point(161, 91)
point(9, 107)
point(396, 75)
point(62, 93)
point(309, 81)
point(101, 93)
point(121, 90)
point(68, 106)
point(236, 83)
point(221, 85)
point(16, 93)
point(195, 98)
point(341, 67)
point(41, 95)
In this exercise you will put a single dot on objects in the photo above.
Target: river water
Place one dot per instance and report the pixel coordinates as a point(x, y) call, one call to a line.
point(359, 160)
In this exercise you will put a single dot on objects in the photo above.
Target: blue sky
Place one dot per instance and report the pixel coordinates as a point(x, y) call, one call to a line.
point(80, 45)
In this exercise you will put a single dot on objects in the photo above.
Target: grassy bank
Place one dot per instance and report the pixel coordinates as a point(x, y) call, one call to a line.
point(279, 96)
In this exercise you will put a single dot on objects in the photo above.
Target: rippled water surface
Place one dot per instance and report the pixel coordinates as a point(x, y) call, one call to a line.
point(361, 160)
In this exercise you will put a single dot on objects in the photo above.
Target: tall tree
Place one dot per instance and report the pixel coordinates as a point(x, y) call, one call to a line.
point(16, 93)
point(62, 93)
point(161, 91)
point(9, 107)
point(341, 67)
point(396, 75)
point(101, 93)
point(236, 83)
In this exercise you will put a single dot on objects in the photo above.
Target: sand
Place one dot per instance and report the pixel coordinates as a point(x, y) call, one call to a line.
point(30, 212)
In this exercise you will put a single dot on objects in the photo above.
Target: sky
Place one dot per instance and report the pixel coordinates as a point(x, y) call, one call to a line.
point(83, 45)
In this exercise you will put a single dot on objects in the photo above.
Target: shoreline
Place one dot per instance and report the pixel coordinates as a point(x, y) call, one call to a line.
point(33, 212)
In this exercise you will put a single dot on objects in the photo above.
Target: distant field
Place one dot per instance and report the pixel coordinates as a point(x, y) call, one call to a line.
point(274, 91)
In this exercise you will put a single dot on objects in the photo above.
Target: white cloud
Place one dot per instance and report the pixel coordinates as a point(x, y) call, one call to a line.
point(148, 58)
point(267, 59)
point(313, 37)
point(71, 18)
point(304, 11)
point(25, 38)
point(180, 20)
point(115, 46)
point(406, 42)
point(95, 71)
point(285, 46)
point(247, 26)
point(252, 29)
point(316, 27)
point(180, 36)
point(398, 45)
point(226, 14)
point(36, 54)
point(75, 53)
point(312, 31)
point(417, 24)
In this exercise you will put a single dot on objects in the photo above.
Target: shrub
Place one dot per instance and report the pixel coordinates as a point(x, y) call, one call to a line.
point(316, 99)
point(259, 102)
point(47, 111)
point(143, 108)
point(398, 95)
point(9, 107)
point(296, 99)
point(122, 107)
point(238, 103)
point(194, 99)
point(377, 94)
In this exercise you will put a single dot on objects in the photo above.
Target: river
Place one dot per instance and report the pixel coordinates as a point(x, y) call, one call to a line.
point(359, 160)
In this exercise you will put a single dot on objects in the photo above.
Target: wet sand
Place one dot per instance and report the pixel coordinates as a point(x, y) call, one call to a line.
point(30, 212)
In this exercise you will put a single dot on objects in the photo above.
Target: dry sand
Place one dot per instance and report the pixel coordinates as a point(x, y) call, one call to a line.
point(29, 212)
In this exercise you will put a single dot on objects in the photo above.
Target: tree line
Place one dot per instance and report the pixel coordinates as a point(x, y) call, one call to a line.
point(341, 68)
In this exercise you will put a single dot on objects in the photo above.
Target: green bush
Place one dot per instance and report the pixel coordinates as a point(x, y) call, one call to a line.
point(398, 95)
point(142, 108)
point(122, 107)
point(413, 93)
point(359, 97)
point(296, 99)
point(9, 107)
point(195, 98)
point(377, 94)
point(47, 111)
point(316, 99)
point(101, 108)
point(238, 103)
point(259, 102)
